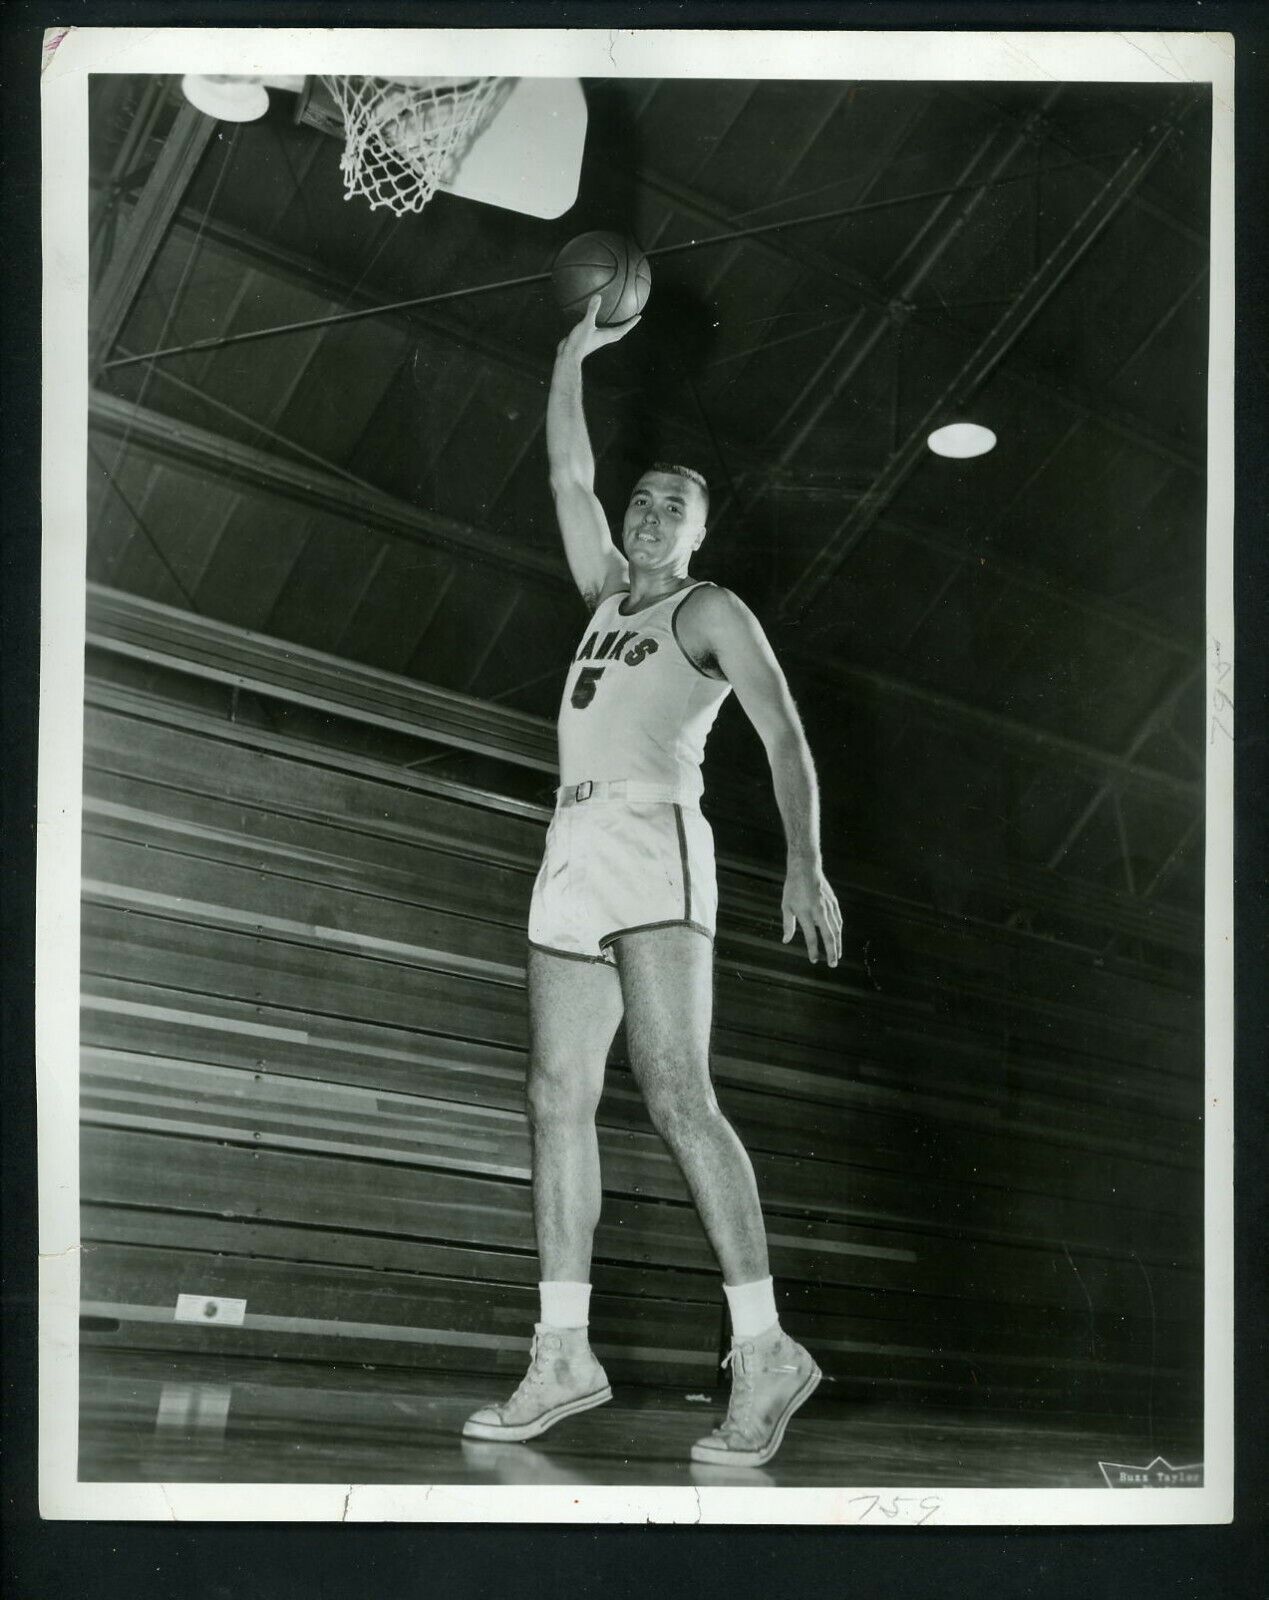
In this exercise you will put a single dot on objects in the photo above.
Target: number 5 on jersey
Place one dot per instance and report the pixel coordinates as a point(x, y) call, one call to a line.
point(584, 688)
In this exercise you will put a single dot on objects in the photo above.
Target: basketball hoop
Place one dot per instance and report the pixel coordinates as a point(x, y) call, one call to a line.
point(404, 137)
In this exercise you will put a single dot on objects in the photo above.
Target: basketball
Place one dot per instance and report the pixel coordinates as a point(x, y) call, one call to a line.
point(609, 265)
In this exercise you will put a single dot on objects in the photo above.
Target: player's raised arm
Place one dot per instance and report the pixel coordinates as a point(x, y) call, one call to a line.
point(725, 631)
point(598, 567)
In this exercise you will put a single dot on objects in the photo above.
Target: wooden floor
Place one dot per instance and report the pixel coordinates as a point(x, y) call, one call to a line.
point(148, 1417)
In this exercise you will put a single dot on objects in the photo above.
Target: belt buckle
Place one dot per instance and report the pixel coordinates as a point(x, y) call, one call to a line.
point(584, 790)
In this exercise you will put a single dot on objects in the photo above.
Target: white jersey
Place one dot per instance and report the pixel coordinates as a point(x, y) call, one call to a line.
point(634, 705)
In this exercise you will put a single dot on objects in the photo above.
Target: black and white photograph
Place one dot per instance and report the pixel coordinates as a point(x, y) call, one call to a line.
point(636, 777)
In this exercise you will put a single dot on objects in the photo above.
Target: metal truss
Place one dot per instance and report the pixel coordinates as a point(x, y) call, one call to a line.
point(151, 216)
point(984, 360)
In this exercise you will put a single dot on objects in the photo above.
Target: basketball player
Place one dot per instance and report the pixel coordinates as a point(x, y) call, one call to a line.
point(622, 920)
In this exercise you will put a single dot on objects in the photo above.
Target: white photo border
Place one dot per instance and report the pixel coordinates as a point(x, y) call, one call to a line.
point(70, 55)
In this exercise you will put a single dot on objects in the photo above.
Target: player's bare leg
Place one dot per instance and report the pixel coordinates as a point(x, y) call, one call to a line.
point(667, 981)
point(574, 1009)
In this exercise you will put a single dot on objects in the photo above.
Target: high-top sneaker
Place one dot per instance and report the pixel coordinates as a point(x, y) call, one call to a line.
point(563, 1378)
point(771, 1376)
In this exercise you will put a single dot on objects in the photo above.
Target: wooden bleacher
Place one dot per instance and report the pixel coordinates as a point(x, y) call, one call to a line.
point(303, 1062)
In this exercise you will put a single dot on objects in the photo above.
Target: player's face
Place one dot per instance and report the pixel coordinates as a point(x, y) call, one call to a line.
point(664, 521)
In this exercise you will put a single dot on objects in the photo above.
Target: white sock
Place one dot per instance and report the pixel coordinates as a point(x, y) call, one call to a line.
point(565, 1305)
point(752, 1307)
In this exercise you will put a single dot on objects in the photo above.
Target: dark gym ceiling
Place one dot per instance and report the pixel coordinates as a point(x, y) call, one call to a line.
point(981, 649)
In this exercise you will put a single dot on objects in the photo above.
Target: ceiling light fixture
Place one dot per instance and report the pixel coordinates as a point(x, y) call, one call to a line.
point(230, 98)
point(960, 440)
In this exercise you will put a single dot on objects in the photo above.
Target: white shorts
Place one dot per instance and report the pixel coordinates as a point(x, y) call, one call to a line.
point(617, 866)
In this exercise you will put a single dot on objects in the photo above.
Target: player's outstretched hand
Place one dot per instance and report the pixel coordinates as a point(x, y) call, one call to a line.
point(810, 904)
point(587, 336)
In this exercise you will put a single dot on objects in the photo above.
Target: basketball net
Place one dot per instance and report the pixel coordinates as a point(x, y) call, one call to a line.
point(405, 136)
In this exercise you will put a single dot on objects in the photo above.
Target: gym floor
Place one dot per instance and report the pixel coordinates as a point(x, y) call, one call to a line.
point(156, 1417)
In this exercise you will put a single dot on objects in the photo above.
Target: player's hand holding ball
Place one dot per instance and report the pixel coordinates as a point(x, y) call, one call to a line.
point(810, 904)
point(586, 336)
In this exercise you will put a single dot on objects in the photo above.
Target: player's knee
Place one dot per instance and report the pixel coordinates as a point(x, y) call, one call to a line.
point(683, 1115)
point(559, 1091)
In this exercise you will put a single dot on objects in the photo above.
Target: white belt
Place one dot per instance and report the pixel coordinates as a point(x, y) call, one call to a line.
point(573, 794)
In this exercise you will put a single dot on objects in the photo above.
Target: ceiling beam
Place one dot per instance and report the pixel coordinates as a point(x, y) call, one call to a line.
point(255, 469)
point(295, 269)
point(1174, 856)
point(976, 99)
point(226, 460)
point(197, 450)
point(874, 320)
point(1060, 440)
point(855, 285)
point(859, 289)
point(1037, 581)
point(866, 330)
point(191, 447)
point(287, 266)
point(127, 174)
point(1158, 717)
point(940, 708)
point(979, 366)
point(148, 222)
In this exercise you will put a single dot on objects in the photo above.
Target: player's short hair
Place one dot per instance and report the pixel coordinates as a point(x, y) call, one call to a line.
point(690, 473)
